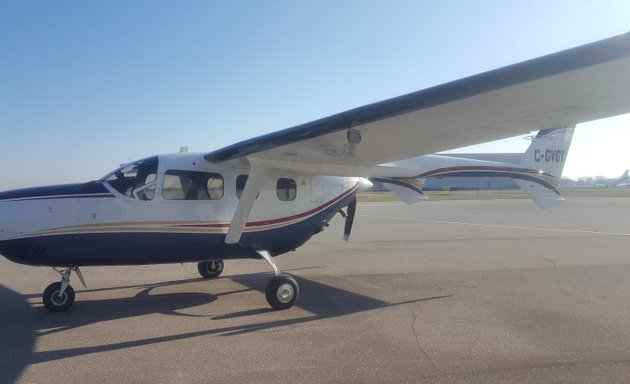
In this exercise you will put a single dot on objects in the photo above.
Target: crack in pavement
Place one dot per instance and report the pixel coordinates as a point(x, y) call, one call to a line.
point(419, 344)
point(550, 261)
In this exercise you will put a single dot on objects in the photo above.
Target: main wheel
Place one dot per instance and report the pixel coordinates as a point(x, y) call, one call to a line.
point(210, 269)
point(282, 292)
point(53, 302)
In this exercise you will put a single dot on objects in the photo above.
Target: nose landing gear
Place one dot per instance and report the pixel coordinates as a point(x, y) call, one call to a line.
point(58, 297)
point(210, 269)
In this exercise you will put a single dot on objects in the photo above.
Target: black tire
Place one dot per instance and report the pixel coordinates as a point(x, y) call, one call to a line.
point(52, 301)
point(210, 269)
point(282, 292)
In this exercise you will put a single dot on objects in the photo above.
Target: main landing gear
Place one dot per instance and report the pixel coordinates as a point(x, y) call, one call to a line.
point(282, 290)
point(58, 297)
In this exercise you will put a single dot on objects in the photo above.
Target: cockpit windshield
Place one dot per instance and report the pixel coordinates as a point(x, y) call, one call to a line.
point(135, 180)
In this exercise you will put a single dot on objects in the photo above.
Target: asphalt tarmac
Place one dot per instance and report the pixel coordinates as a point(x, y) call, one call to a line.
point(493, 291)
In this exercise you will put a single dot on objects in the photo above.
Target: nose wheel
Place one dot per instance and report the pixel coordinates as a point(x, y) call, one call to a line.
point(59, 296)
point(57, 301)
point(210, 269)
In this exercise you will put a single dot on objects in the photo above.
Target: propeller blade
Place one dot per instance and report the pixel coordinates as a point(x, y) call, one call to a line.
point(352, 207)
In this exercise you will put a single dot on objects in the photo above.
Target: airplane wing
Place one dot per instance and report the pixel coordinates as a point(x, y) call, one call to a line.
point(558, 90)
point(562, 89)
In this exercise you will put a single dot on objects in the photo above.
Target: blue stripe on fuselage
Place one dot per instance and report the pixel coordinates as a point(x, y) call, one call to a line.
point(93, 187)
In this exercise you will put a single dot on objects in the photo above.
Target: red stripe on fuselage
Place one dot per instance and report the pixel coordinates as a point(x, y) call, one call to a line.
point(303, 214)
point(282, 219)
point(481, 168)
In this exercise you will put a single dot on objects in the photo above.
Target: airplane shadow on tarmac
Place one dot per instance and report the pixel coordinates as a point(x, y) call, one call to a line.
point(21, 323)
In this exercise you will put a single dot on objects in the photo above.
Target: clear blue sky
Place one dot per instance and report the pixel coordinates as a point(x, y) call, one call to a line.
point(85, 86)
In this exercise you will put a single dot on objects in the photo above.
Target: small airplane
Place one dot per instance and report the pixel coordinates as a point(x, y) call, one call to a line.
point(620, 181)
point(269, 195)
point(623, 181)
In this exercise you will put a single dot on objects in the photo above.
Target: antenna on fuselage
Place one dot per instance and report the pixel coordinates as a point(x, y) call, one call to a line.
point(184, 149)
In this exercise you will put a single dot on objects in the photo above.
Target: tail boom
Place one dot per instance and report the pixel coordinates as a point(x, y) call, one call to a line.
point(537, 172)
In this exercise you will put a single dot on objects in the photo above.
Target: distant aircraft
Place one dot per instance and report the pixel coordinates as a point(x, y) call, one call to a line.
point(269, 195)
point(621, 181)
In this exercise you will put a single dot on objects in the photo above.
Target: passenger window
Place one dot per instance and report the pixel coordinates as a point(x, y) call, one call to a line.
point(286, 189)
point(241, 180)
point(192, 185)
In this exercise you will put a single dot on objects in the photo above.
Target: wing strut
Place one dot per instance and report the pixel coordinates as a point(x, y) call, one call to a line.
point(257, 174)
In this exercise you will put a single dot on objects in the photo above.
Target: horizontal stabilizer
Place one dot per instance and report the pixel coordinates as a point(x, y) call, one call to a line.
point(407, 190)
point(543, 197)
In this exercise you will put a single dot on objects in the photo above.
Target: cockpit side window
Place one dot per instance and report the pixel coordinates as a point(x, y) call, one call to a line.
point(136, 180)
point(192, 185)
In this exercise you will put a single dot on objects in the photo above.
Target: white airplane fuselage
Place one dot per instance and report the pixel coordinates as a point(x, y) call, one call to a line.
point(106, 222)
